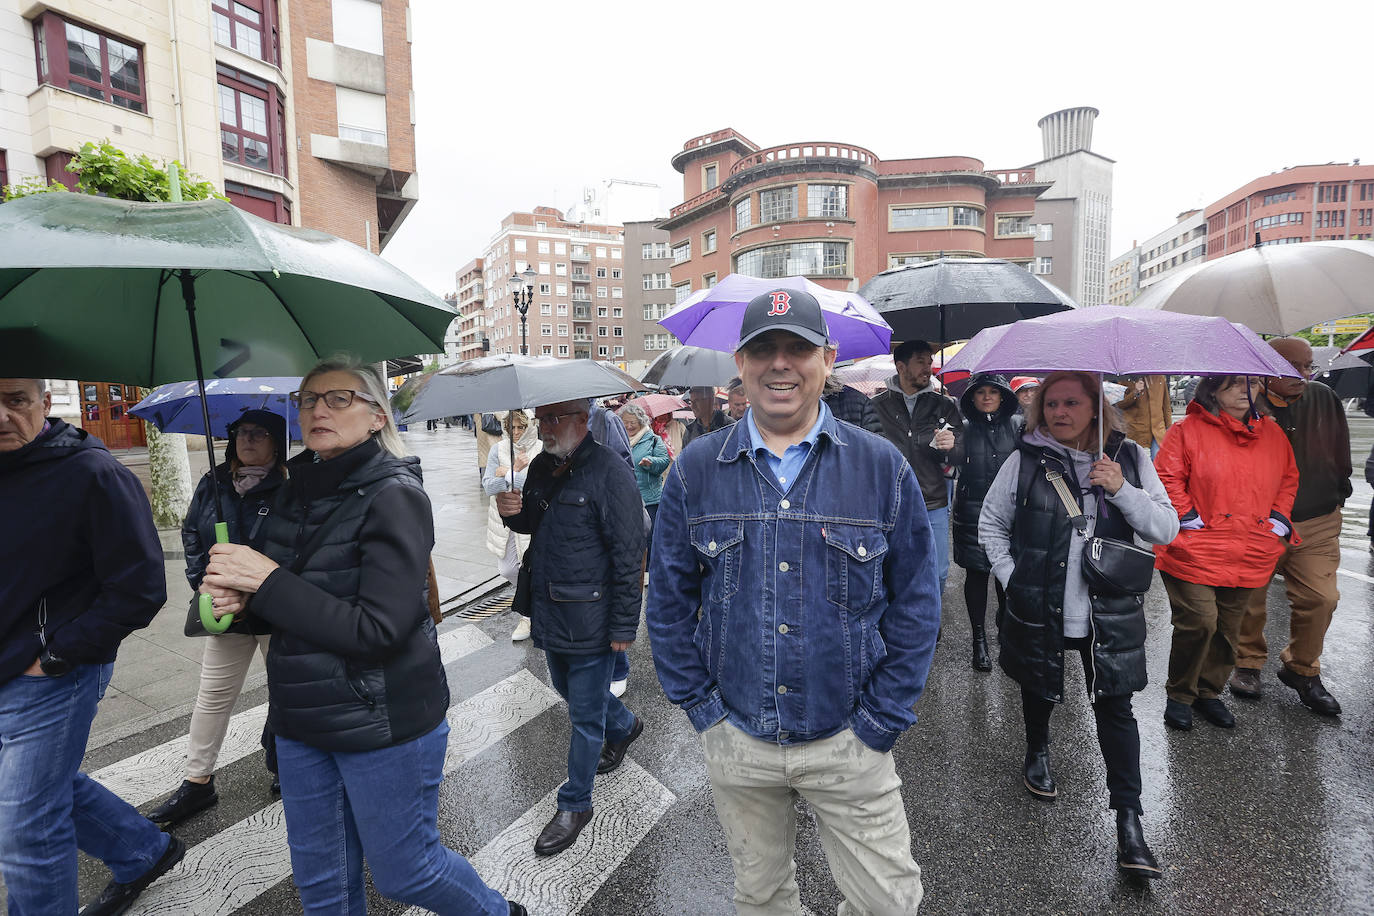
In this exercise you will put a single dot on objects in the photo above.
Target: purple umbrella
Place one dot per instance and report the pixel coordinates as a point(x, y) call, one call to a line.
point(710, 318)
point(1120, 340)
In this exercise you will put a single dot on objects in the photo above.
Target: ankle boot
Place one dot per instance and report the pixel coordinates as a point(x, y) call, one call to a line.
point(1037, 776)
point(1133, 854)
point(981, 660)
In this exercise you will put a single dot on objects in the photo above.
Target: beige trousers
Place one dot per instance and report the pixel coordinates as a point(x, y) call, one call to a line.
point(855, 794)
point(223, 667)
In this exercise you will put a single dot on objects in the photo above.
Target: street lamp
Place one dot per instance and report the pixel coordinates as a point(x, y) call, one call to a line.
point(522, 290)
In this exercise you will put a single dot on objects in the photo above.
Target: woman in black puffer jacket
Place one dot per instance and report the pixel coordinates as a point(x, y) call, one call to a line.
point(991, 432)
point(358, 692)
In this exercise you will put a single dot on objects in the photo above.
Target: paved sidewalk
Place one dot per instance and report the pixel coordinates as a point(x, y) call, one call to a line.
point(158, 670)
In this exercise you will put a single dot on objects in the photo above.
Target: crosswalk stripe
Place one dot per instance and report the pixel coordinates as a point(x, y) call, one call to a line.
point(627, 804)
point(1354, 575)
point(156, 771)
point(239, 863)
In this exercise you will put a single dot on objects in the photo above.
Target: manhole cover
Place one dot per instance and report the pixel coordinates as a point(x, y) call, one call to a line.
point(496, 603)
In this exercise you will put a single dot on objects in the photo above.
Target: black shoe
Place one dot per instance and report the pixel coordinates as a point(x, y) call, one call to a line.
point(1214, 711)
point(561, 832)
point(191, 798)
point(1037, 776)
point(1311, 692)
point(1178, 715)
point(116, 898)
point(1133, 854)
point(1246, 684)
point(613, 752)
point(981, 660)
point(516, 909)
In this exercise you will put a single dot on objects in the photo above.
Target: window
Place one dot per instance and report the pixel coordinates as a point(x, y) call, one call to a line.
point(248, 26)
point(560, 247)
point(1044, 232)
point(777, 204)
point(902, 260)
point(601, 292)
point(603, 351)
point(795, 260)
point(252, 124)
point(967, 216)
point(617, 312)
point(1013, 225)
point(682, 252)
point(616, 254)
point(521, 245)
point(358, 24)
point(562, 308)
point(742, 214)
point(544, 289)
point(615, 273)
point(1331, 194)
point(708, 281)
point(4, 171)
point(827, 201)
point(682, 291)
point(602, 311)
point(708, 242)
point(710, 177)
point(267, 204)
point(562, 349)
point(1279, 197)
point(920, 217)
point(619, 351)
point(601, 273)
point(618, 331)
point(600, 251)
point(562, 330)
point(617, 292)
point(547, 350)
point(1041, 266)
point(361, 115)
point(544, 268)
point(561, 289)
point(543, 246)
point(545, 308)
point(90, 62)
point(655, 281)
point(540, 225)
point(1367, 191)
point(655, 311)
point(1278, 219)
point(602, 331)
point(546, 330)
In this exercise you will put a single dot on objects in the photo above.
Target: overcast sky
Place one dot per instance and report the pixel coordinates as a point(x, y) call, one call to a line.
point(1196, 98)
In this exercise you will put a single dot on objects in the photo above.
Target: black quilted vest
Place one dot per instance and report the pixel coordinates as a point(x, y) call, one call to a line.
point(987, 445)
point(1032, 633)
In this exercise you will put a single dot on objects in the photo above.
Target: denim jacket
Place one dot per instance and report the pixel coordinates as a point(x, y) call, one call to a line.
point(818, 608)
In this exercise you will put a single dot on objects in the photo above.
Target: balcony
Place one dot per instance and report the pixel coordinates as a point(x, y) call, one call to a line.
point(581, 297)
point(582, 338)
point(805, 151)
point(580, 257)
point(582, 278)
point(582, 313)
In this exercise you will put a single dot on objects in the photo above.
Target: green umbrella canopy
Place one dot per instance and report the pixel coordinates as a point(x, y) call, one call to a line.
point(92, 288)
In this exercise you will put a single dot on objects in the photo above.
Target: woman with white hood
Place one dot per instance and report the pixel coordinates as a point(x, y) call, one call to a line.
point(502, 475)
point(1052, 502)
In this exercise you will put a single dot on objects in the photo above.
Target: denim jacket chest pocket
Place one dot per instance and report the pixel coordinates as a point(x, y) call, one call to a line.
point(719, 545)
point(853, 565)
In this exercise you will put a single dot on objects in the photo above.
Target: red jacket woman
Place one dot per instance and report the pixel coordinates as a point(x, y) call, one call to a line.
point(1231, 475)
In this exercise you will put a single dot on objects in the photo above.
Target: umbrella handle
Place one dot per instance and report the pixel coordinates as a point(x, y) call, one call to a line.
point(207, 612)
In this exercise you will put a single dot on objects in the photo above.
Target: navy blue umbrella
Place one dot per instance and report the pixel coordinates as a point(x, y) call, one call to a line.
point(175, 408)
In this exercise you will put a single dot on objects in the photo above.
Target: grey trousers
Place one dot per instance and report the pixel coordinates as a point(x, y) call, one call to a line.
point(855, 794)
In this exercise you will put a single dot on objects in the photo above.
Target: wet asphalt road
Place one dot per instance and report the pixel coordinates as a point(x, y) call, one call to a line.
point(1274, 817)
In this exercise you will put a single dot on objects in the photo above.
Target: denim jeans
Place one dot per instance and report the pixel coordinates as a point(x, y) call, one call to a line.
point(382, 805)
point(597, 717)
point(47, 808)
point(621, 670)
point(939, 527)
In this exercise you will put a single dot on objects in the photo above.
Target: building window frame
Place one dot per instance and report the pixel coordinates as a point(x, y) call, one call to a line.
point(1026, 230)
point(267, 28)
point(830, 265)
point(708, 241)
point(831, 201)
point(952, 216)
point(54, 62)
point(777, 205)
point(710, 176)
point(744, 213)
point(682, 251)
point(243, 84)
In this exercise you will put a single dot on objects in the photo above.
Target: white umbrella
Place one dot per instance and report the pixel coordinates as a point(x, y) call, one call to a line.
point(1277, 289)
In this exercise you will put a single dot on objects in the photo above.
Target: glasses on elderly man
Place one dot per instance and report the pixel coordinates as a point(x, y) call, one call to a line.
point(553, 419)
point(338, 399)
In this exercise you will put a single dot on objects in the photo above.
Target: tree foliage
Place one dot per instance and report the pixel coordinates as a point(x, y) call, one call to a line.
point(104, 169)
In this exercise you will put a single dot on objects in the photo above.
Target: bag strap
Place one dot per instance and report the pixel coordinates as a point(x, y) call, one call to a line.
point(1076, 516)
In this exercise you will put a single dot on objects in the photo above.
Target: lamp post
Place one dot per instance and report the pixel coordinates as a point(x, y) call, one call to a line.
point(522, 291)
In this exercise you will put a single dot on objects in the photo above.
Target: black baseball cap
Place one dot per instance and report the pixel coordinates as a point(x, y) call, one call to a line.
point(784, 309)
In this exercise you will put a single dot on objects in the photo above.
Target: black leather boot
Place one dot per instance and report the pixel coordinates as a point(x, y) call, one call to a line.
point(981, 660)
point(1133, 854)
point(191, 798)
point(1037, 776)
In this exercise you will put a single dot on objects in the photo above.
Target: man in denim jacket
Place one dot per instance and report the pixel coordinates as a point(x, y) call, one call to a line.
point(803, 542)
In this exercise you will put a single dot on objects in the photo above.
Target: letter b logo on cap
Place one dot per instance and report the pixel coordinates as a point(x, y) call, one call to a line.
point(781, 300)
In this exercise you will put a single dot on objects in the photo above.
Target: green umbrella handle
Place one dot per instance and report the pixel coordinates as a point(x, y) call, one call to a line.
point(207, 612)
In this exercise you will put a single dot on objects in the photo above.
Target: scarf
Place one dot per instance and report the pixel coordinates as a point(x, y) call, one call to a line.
point(248, 477)
point(634, 440)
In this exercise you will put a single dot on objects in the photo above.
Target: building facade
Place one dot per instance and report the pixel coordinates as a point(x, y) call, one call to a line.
point(298, 110)
point(1074, 216)
point(649, 293)
point(1305, 203)
point(835, 212)
point(1146, 263)
point(1123, 277)
point(468, 332)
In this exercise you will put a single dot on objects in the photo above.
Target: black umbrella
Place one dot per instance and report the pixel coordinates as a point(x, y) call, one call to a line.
point(690, 367)
point(948, 299)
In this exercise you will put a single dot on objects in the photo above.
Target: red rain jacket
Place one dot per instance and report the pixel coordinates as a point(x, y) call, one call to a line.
point(1235, 478)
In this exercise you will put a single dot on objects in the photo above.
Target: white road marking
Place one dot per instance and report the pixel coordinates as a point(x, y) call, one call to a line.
point(158, 770)
point(627, 803)
point(238, 864)
point(1354, 575)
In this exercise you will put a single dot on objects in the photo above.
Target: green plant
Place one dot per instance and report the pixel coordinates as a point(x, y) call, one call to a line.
point(105, 169)
point(29, 186)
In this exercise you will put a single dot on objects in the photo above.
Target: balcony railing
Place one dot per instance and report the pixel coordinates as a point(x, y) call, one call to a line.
point(582, 314)
point(695, 202)
point(1014, 176)
point(582, 278)
point(580, 257)
point(582, 338)
point(581, 297)
point(805, 151)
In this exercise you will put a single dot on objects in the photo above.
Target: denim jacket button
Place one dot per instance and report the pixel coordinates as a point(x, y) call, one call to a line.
point(782, 628)
point(783, 736)
point(782, 688)
point(711, 546)
point(863, 551)
point(783, 567)
point(784, 505)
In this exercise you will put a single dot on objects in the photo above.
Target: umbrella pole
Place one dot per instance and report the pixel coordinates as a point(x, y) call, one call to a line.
point(188, 294)
point(510, 484)
point(1101, 415)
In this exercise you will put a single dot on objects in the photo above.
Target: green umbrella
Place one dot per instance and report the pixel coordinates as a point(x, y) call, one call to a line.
point(151, 293)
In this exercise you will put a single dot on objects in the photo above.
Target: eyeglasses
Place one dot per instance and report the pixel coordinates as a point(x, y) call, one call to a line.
point(1308, 370)
point(252, 435)
point(553, 419)
point(338, 399)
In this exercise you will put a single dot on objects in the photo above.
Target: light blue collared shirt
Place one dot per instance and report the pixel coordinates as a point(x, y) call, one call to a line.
point(786, 467)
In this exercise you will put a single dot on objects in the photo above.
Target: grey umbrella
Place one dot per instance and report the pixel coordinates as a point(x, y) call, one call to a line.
point(511, 382)
point(687, 367)
point(948, 299)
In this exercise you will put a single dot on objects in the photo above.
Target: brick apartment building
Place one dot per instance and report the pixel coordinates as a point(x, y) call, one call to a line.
point(299, 110)
point(1304, 203)
point(836, 212)
point(467, 332)
point(648, 264)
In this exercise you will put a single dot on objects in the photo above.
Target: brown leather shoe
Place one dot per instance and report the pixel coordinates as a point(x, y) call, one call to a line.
point(561, 832)
point(1245, 683)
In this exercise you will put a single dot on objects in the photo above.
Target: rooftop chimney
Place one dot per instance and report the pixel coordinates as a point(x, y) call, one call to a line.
point(1067, 130)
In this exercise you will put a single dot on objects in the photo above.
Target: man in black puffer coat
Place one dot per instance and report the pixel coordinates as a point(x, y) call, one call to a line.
point(991, 433)
point(583, 508)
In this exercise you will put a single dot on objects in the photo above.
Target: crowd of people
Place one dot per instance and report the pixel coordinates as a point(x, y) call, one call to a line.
point(788, 548)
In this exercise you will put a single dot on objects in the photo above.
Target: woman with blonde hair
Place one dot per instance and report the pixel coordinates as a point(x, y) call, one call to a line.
point(500, 476)
point(358, 692)
point(1049, 500)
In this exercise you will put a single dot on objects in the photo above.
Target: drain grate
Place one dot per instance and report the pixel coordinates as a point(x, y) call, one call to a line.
point(497, 603)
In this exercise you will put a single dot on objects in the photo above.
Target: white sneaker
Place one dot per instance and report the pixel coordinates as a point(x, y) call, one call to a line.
point(618, 688)
point(521, 631)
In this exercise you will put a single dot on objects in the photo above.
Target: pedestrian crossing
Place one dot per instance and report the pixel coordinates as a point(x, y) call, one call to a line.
point(237, 866)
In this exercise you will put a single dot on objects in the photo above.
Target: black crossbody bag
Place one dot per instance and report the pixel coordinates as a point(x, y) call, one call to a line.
point(1110, 564)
